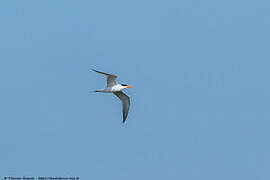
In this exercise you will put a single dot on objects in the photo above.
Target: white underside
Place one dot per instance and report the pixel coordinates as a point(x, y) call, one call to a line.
point(115, 88)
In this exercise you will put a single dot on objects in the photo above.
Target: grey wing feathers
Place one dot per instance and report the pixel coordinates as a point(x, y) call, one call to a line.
point(111, 79)
point(125, 103)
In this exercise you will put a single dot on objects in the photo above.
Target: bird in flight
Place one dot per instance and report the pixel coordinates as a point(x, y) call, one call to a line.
point(116, 89)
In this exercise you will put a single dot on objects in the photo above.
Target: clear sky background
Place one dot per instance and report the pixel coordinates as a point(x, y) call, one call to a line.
point(200, 105)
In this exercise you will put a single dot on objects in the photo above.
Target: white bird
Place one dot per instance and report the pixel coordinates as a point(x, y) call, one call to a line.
point(115, 88)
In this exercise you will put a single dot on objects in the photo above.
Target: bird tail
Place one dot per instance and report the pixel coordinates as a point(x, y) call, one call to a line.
point(99, 90)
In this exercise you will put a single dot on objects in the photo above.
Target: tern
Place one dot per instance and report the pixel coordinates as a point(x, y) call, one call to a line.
point(116, 89)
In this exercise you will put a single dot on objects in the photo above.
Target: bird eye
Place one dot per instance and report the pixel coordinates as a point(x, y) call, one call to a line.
point(124, 84)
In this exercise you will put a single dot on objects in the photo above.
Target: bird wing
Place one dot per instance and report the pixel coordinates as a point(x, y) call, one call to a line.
point(125, 103)
point(111, 79)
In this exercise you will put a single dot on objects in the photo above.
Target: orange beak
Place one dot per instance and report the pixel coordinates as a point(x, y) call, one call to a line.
point(129, 86)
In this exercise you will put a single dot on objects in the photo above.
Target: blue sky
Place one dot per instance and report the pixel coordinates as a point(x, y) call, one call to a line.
point(200, 105)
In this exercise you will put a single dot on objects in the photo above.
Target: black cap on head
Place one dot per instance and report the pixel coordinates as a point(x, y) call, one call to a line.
point(124, 84)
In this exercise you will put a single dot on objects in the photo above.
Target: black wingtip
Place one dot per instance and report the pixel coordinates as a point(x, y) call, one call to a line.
point(124, 120)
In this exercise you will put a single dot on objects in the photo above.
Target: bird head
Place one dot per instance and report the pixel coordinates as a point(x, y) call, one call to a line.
point(126, 86)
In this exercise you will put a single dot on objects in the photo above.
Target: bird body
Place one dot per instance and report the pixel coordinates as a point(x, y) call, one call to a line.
point(116, 89)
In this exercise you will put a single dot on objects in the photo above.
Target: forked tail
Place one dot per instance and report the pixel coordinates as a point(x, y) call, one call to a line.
point(101, 90)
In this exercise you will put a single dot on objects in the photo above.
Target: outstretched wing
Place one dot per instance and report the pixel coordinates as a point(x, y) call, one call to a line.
point(125, 103)
point(111, 79)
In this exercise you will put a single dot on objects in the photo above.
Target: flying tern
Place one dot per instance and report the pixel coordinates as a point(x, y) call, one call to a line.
point(116, 89)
